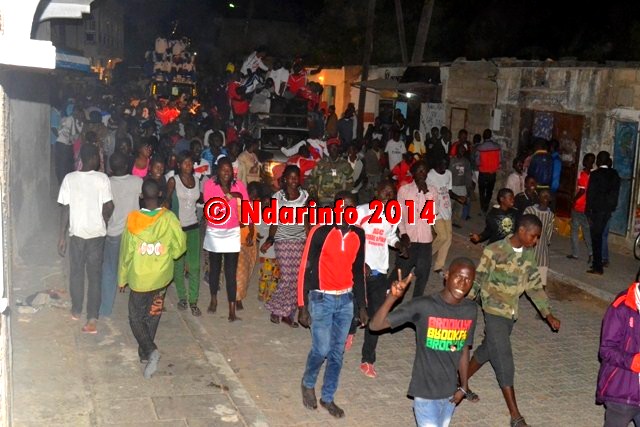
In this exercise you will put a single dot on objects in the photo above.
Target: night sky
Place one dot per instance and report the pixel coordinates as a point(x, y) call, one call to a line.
point(332, 31)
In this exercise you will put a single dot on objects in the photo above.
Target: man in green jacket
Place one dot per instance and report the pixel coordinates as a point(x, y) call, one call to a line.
point(508, 269)
point(152, 240)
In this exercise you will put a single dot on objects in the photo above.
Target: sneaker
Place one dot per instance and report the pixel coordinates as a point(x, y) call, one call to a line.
point(368, 370)
point(183, 304)
point(349, 343)
point(195, 311)
point(152, 364)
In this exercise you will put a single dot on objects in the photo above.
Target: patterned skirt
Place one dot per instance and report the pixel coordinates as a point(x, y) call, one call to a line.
point(246, 262)
point(269, 275)
point(284, 300)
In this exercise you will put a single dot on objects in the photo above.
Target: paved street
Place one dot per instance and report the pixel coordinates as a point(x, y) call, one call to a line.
point(248, 373)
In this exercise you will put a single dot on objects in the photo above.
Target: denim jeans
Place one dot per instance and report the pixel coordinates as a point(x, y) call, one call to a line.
point(110, 273)
point(433, 412)
point(331, 317)
point(579, 221)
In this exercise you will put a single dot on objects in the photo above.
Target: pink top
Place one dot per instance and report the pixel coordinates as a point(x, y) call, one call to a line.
point(142, 173)
point(212, 189)
point(420, 232)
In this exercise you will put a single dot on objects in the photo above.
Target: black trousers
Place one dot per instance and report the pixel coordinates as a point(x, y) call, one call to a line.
point(145, 310)
point(230, 269)
point(63, 160)
point(376, 294)
point(598, 223)
point(86, 254)
point(486, 182)
point(620, 415)
point(420, 258)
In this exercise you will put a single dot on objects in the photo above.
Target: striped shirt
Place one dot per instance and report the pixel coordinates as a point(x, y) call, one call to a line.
point(291, 231)
point(542, 248)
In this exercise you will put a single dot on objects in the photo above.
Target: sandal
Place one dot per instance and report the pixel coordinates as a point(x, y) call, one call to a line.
point(472, 397)
point(518, 422)
point(289, 321)
point(274, 319)
point(182, 304)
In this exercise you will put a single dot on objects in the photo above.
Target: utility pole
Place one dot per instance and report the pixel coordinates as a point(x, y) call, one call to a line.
point(368, 48)
point(423, 31)
point(401, 32)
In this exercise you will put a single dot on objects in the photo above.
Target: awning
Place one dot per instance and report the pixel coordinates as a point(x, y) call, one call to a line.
point(69, 61)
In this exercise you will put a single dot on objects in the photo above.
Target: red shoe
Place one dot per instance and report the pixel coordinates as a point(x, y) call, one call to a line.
point(90, 327)
point(349, 343)
point(368, 369)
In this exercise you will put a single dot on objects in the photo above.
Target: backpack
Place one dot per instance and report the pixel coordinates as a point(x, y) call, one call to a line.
point(541, 168)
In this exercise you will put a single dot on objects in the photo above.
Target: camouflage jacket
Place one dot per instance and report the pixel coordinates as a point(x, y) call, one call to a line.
point(328, 178)
point(503, 275)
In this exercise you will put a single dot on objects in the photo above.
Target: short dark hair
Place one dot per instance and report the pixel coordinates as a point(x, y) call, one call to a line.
point(486, 134)
point(528, 221)
point(504, 192)
point(346, 194)
point(417, 164)
point(118, 162)
point(183, 155)
point(88, 152)
point(150, 189)
point(462, 261)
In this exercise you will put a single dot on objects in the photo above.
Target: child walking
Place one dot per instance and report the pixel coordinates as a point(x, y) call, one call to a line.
point(543, 211)
point(153, 238)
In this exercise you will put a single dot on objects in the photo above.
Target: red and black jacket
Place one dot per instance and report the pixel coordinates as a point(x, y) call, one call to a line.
point(333, 261)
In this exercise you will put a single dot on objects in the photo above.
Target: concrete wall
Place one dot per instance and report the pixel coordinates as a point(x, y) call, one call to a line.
point(32, 206)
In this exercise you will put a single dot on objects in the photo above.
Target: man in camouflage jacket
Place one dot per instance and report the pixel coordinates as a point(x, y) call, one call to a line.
point(332, 174)
point(507, 269)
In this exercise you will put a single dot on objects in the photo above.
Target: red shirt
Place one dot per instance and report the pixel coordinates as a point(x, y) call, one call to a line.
point(583, 183)
point(239, 105)
point(297, 82)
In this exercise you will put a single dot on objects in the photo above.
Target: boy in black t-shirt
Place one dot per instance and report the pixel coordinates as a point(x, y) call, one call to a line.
point(445, 323)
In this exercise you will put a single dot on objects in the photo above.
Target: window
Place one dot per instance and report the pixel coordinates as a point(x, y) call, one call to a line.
point(90, 31)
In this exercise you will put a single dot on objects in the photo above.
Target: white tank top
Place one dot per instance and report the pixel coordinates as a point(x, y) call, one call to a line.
point(187, 198)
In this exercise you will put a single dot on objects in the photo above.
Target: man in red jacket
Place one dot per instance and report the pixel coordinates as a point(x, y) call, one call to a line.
point(488, 159)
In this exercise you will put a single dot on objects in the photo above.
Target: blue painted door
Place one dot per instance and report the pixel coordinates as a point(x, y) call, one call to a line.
point(624, 161)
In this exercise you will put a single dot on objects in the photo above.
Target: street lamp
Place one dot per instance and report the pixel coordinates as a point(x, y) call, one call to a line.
point(232, 6)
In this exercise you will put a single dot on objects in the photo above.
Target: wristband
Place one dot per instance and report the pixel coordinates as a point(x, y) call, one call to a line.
point(464, 392)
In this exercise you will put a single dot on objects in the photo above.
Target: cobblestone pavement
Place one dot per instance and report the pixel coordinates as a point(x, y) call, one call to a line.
point(214, 373)
point(555, 372)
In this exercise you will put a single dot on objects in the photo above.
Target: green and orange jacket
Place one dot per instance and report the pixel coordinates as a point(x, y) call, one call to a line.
point(151, 241)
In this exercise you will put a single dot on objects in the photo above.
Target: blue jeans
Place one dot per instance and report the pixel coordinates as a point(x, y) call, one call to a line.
point(110, 273)
point(433, 412)
point(330, 320)
point(579, 220)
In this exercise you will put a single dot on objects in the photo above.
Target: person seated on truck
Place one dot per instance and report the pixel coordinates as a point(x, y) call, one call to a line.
point(261, 101)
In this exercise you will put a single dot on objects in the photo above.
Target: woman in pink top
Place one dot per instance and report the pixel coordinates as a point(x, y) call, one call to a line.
point(223, 241)
point(143, 159)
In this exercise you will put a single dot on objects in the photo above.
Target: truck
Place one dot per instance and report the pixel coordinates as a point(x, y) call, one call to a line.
point(171, 68)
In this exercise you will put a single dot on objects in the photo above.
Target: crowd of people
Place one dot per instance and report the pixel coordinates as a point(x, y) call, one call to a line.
point(135, 175)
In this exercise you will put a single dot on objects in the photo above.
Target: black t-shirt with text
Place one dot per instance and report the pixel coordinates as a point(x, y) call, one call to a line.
point(442, 331)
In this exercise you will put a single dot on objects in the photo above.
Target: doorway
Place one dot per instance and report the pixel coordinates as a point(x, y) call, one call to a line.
point(624, 161)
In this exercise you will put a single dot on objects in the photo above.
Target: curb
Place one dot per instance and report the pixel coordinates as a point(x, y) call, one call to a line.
point(595, 292)
point(251, 415)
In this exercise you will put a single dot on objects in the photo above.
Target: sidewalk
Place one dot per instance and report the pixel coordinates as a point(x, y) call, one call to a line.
point(62, 377)
point(617, 277)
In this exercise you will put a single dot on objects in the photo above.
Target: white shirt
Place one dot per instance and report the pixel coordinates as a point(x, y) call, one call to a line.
point(126, 198)
point(357, 167)
point(440, 185)
point(68, 131)
point(395, 150)
point(279, 76)
point(378, 238)
point(85, 193)
point(253, 63)
point(515, 182)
